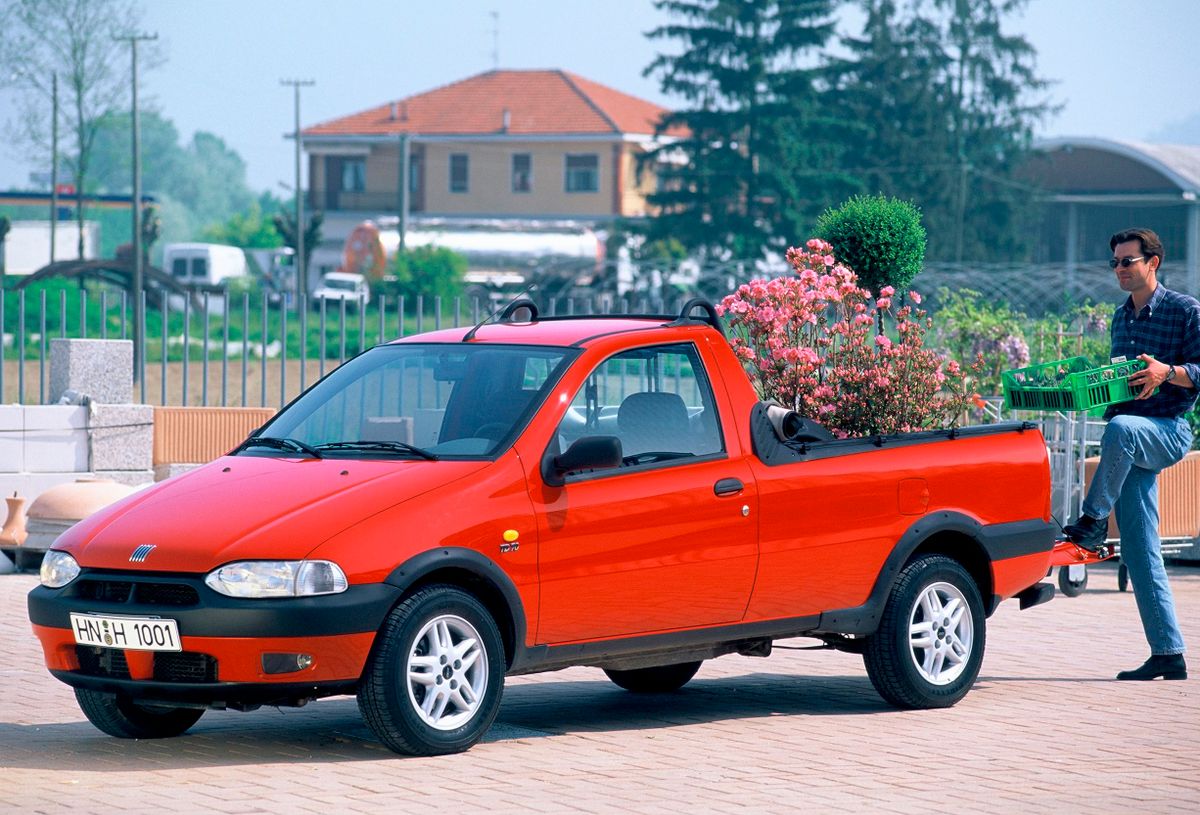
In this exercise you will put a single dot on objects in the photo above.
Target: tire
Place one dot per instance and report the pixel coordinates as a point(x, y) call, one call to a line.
point(659, 679)
point(124, 718)
point(1069, 587)
point(915, 664)
point(433, 683)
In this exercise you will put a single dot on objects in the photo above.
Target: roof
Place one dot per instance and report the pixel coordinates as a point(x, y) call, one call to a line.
point(560, 331)
point(1092, 164)
point(509, 103)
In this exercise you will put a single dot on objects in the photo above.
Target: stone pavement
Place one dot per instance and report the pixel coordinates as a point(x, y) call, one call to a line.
point(1045, 730)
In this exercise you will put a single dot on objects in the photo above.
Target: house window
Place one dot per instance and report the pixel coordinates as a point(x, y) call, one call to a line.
point(522, 172)
point(354, 175)
point(583, 172)
point(459, 168)
point(414, 174)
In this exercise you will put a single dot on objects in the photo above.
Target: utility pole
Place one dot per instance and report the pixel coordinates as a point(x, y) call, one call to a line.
point(300, 266)
point(139, 311)
point(53, 159)
point(402, 223)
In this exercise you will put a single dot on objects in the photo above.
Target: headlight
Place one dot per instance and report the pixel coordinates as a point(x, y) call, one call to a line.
point(277, 578)
point(58, 569)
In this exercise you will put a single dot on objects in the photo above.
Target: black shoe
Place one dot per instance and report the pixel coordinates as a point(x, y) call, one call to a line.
point(1088, 532)
point(1169, 666)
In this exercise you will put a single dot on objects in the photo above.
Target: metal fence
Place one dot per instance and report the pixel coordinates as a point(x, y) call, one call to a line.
point(247, 350)
point(242, 350)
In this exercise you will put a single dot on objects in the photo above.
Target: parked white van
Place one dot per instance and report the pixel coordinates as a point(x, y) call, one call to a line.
point(203, 263)
point(337, 286)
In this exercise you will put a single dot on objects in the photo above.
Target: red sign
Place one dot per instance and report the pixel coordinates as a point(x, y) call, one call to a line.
point(65, 189)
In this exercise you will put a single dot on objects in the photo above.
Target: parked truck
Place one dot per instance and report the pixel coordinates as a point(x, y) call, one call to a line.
point(529, 494)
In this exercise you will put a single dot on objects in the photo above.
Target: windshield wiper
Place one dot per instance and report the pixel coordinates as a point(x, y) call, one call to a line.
point(380, 446)
point(288, 445)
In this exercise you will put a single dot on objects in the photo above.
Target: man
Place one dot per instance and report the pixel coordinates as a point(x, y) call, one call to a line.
point(1162, 328)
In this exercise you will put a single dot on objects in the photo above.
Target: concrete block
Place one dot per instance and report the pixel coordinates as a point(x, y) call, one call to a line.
point(99, 369)
point(12, 438)
point(130, 478)
point(56, 439)
point(122, 437)
point(164, 471)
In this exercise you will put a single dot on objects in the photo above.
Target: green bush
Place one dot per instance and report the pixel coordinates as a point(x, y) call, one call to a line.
point(881, 239)
point(432, 271)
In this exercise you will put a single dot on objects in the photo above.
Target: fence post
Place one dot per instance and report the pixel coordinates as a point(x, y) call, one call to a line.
point(21, 347)
point(283, 339)
point(42, 358)
point(204, 348)
point(302, 305)
point(187, 343)
point(224, 349)
point(322, 349)
point(262, 396)
point(245, 345)
point(166, 330)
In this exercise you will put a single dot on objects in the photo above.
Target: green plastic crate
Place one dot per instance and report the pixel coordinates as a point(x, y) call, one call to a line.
point(1069, 384)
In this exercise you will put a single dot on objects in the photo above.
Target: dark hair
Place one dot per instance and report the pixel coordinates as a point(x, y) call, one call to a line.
point(1151, 245)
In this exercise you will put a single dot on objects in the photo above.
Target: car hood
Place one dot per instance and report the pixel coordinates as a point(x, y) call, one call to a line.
point(250, 507)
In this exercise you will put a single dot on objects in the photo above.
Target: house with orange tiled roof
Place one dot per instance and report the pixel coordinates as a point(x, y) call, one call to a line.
point(520, 144)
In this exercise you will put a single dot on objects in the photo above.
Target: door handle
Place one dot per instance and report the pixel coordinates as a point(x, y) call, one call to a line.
point(728, 486)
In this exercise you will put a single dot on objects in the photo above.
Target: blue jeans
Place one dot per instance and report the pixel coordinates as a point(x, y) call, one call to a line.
point(1132, 452)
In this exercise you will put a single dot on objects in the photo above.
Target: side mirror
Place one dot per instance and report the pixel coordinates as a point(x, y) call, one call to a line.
point(588, 453)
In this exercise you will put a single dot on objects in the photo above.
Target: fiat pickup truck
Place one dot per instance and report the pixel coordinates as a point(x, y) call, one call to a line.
point(528, 494)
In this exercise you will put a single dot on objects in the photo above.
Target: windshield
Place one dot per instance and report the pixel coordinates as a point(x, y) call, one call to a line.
point(340, 284)
point(419, 401)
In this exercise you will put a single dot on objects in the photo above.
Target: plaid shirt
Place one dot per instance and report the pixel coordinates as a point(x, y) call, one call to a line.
point(1168, 329)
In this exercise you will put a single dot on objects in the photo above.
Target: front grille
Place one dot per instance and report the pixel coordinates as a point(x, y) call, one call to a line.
point(183, 666)
point(106, 662)
point(129, 591)
point(108, 591)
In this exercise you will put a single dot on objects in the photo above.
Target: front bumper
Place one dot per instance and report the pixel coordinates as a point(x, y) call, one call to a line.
point(224, 639)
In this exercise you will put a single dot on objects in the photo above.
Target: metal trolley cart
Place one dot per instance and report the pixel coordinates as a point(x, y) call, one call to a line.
point(1072, 394)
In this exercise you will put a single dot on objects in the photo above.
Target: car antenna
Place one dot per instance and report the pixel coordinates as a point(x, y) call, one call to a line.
point(470, 335)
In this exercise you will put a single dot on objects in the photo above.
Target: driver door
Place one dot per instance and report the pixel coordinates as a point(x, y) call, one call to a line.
point(666, 541)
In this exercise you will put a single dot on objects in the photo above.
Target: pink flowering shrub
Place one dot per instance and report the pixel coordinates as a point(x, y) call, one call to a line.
point(809, 341)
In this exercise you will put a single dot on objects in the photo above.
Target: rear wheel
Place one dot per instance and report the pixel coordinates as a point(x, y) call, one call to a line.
point(124, 718)
point(433, 683)
point(929, 646)
point(659, 679)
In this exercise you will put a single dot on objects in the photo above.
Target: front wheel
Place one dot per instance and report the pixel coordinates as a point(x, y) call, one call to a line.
point(659, 679)
point(432, 685)
point(126, 719)
point(929, 646)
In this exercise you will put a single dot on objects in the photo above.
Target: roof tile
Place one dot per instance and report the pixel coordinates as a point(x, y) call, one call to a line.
point(537, 103)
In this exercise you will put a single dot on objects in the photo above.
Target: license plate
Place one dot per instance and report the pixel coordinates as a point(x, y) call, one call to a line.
point(127, 633)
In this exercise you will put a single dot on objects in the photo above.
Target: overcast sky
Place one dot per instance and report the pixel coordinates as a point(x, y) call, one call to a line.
point(225, 59)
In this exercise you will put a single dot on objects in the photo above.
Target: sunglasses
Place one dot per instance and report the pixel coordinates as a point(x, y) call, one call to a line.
point(1124, 263)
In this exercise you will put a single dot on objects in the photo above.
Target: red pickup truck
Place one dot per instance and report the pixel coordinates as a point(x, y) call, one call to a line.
point(530, 494)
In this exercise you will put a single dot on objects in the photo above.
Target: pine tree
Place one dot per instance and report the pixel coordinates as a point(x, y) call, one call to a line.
point(945, 104)
point(753, 167)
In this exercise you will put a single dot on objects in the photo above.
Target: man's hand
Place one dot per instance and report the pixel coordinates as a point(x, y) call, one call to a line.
point(1150, 377)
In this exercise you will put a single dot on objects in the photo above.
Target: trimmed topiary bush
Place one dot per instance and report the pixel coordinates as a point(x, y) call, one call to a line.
point(881, 239)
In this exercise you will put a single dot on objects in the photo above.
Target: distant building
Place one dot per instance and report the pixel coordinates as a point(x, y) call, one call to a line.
point(1099, 186)
point(531, 149)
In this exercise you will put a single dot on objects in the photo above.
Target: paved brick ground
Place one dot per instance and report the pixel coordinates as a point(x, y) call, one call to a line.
point(1045, 730)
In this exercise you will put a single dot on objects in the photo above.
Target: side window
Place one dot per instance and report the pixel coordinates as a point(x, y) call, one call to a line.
point(656, 400)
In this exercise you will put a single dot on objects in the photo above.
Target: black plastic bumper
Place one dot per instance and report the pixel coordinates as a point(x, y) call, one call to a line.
point(357, 610)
